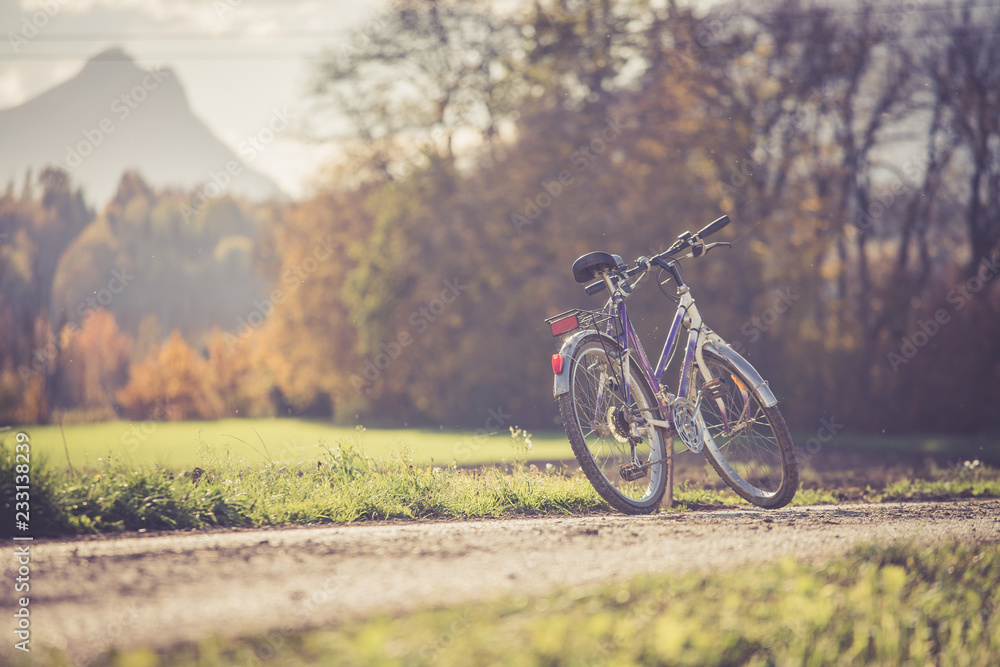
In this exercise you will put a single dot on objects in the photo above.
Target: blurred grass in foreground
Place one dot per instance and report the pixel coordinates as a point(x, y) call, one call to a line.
point(900, 604)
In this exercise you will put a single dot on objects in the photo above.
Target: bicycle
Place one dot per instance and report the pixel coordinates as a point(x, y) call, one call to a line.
point(619, 418)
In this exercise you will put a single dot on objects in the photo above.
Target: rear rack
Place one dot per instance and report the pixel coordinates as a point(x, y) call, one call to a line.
point(577, 318)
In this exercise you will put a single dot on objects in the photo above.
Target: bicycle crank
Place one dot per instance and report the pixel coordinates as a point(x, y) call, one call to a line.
point(685, 415)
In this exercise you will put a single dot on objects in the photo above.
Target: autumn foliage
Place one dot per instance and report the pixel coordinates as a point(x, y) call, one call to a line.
point(860, 164)
point(173, 383)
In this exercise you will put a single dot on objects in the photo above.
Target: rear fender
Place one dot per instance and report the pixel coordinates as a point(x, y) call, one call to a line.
point(568, 350)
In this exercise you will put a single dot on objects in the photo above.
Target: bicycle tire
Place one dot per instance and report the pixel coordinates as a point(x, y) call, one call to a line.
point(596, 448)
point(758, 462)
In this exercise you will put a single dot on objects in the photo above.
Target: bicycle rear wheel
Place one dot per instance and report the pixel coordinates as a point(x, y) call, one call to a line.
point(748, 444)
point(628, 471)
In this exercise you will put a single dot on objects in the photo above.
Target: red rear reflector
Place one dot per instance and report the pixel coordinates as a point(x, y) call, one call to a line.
point(557, 363)
point(564, 325)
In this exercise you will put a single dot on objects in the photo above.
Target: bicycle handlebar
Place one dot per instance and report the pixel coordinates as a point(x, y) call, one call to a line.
point(688, 240)
point(683, 242)
point(713, 227)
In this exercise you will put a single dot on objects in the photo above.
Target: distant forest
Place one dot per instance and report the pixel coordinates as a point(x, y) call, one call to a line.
point(856, 148)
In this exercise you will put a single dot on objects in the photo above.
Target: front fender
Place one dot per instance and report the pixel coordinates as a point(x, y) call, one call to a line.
point(760, 388)
point(568, 350)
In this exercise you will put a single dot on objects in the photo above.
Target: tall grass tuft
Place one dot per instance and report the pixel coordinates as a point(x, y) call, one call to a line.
point(48, 517)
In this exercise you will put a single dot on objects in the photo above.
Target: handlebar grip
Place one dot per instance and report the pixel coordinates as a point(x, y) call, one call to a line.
point(638, 268)
point(713, 227)
point(595, 288)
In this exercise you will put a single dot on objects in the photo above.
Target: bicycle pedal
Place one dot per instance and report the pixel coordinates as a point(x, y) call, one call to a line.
point(715, 389)
point(631, 472)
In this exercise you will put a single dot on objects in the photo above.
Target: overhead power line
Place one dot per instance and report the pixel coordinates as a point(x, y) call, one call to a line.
point(176, 56)
point(341, 33)
point(191, 36)
point(319, 55)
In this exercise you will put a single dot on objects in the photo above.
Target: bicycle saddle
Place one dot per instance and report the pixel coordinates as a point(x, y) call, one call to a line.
point(587, 267)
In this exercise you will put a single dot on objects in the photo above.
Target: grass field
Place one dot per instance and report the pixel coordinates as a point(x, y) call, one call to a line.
point(345, 484)
point(184, 445)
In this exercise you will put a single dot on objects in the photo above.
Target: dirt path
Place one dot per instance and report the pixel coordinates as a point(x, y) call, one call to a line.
point(160, 589)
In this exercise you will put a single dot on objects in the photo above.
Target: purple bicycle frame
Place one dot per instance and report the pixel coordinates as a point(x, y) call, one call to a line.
point(630, 339)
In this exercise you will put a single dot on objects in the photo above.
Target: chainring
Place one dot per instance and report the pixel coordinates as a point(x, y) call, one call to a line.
point(686, 424)
point(620, 427)
point(617, 424)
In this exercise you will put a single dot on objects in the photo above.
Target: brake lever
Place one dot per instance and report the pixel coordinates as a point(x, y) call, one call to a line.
point(715, 245)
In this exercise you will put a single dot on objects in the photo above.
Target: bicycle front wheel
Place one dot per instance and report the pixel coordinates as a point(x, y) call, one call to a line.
point(628, 470)
point(747, 444)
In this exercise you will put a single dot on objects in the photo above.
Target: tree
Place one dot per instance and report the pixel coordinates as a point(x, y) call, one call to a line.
point(93, 364)
point(615, 125)
point(35, 230)
point(427, 73)
point(239, 377)
point(964, 71)
point(173, 383)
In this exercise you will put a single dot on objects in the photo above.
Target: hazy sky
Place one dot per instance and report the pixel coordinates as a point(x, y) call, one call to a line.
point(238, 60)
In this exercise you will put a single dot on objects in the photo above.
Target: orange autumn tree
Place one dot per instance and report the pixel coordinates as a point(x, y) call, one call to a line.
point(172, 383)
point(94, 362)
point(239, 375)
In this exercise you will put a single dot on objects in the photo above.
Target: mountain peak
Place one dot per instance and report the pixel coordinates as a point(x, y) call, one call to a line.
point(112, 61)
point(115, 116)
point(113, 53)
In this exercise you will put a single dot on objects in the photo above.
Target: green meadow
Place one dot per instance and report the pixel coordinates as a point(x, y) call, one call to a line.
point(269, 473)
point(184, 445)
